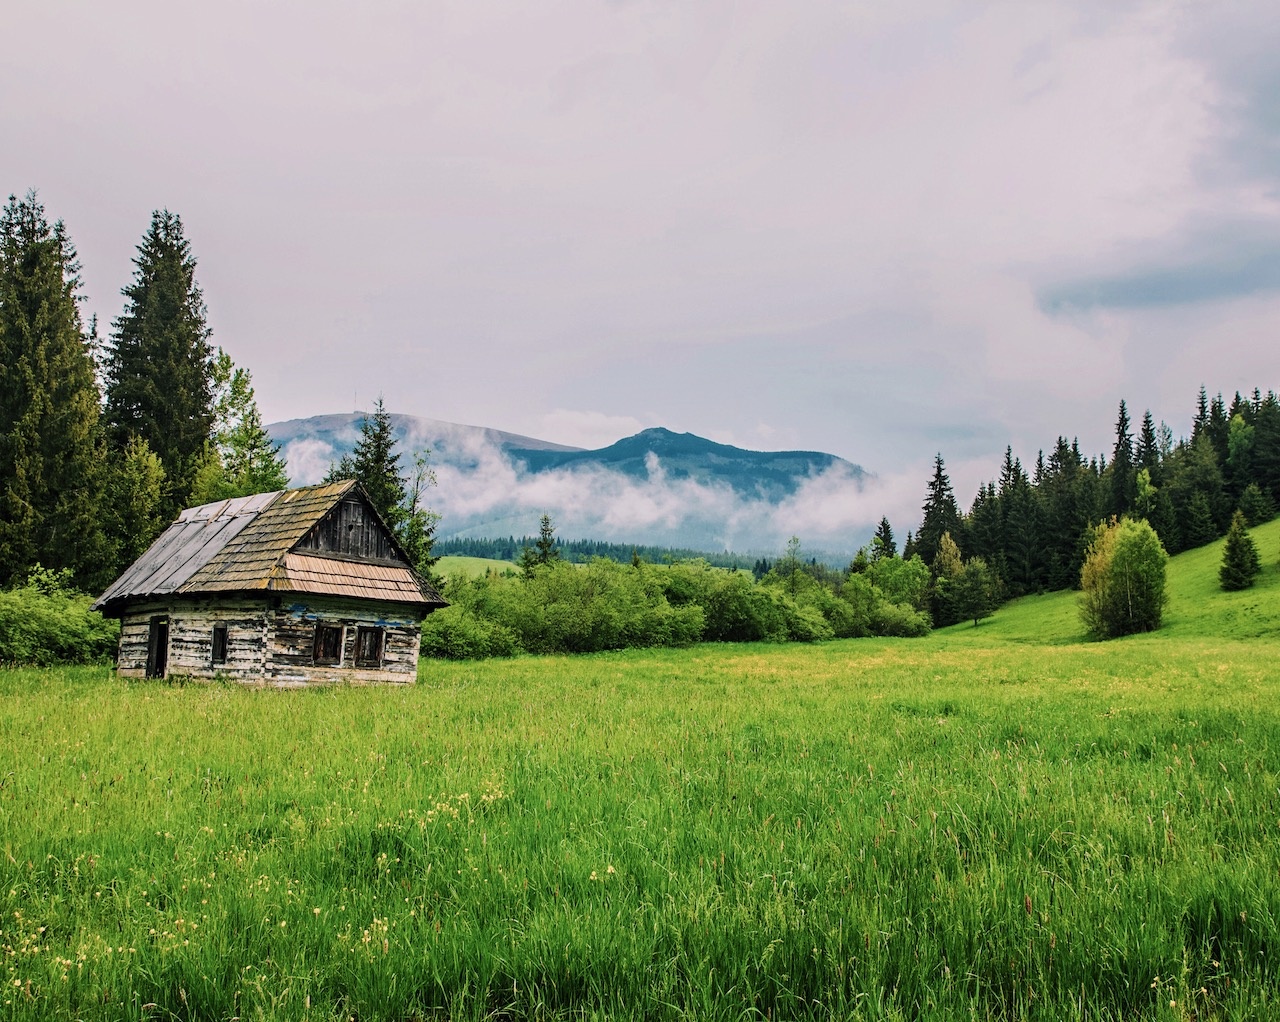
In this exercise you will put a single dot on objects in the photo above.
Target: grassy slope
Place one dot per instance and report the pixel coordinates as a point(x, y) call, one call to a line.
point(996, 822)
point(1198, 608)
point(471, 565)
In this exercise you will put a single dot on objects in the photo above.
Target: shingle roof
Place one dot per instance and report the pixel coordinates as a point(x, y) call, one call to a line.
point(244, 545)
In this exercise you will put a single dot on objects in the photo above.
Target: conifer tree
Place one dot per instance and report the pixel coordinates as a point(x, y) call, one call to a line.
point(50, 473)
point(946, 569)
point(158, 363)
point(375, 464)
point(882, 544)
point(135, 492)
point(941, 515)
point(1148, 453)
point(1122, 468)
point(544, 551)
point(975, 594)
point(241, 458)
point(1257, 506)
point(1240, 560)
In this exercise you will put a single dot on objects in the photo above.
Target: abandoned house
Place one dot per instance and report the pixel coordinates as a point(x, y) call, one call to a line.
point(285, 588)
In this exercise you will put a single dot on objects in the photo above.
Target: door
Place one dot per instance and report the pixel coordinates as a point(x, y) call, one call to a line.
point(158, 648)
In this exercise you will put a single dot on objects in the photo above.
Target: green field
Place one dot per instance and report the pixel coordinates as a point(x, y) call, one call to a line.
point(447, 566)
point(993, 822)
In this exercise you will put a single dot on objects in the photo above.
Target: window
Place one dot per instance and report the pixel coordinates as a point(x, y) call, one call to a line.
point(328, 647)
point(219, 644)
point(369, 647)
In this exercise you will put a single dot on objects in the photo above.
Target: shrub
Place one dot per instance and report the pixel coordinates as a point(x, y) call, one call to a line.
point(901, 581)
point(43, 623)
point(1240, 560)
point(1122, 582)
point(898, 621)
point(457, 633)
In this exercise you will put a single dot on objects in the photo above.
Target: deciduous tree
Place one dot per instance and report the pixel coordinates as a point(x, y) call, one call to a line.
point(1122, 583)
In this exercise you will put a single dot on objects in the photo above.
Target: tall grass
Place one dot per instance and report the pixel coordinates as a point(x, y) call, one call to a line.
point(972, 825)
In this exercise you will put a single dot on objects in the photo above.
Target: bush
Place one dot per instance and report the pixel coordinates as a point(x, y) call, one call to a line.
point(456, 633)
point(898, 621)
point(1122, 582)
point(901, 581)
point(43, 624)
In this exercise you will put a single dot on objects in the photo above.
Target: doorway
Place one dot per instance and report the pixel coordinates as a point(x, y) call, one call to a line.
point(158, 647)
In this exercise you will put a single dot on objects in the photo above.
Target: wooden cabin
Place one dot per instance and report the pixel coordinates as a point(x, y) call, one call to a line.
point(294, 587)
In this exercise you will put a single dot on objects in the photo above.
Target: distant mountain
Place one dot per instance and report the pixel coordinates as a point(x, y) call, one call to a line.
point(769, 474)
point(654, 487)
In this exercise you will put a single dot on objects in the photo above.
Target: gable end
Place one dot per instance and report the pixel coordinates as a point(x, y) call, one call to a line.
point(352, 530)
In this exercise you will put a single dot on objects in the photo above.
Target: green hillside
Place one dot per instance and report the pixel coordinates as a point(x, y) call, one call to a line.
point(453, 563)
point(1198, 608)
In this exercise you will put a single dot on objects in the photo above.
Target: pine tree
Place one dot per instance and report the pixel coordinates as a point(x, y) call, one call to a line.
point(1122, 468)
point(135, 490)
point(419, 529)
point(241, 458)
point(882, 544)
point(941, 515)
point(945, 571)
point(158, 364)
point(976, 593)
point(375, 464)
point(1148, 453)
point(544, 550)
point(1198, 528)
point(1240, 560)
point(1257, 506)
point(1201, 422)
point(50, 462)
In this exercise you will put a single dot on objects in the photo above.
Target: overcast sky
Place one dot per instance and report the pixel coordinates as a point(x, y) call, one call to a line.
point(879, 230)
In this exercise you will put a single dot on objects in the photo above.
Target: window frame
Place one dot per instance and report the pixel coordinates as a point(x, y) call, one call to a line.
point(318, 644)
point(363, 633)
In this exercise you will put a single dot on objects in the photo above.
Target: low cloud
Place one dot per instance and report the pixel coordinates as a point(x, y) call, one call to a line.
point(482, 491)
point(308, 459)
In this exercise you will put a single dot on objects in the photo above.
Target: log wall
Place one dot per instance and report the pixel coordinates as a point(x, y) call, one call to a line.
point(191, 638)
point(271, 644)
point(291, 638)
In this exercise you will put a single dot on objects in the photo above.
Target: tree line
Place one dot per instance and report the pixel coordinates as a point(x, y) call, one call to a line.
point(104, 440)
point(1032, 530)
point(581, 551)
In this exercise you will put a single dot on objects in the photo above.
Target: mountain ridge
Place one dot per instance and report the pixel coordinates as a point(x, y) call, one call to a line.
point(656, 486)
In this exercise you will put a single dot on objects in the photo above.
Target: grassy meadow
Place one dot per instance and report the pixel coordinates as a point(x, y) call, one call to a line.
point(995, 822)
point(454, 563)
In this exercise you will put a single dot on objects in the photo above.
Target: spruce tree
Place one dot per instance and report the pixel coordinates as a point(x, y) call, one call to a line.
point(976, 593)
point(375, 464)
point(1240, 560)
point(882, 544)
point(1148, 453)
point(941, 515)
point(1122, 468)
point(241, 458)
point(1197, 527)
point(50, 475)
point(1257, 506)
point(158, 363)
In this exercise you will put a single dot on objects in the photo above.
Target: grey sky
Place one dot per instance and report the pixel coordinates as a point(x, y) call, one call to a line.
point(878, 230)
